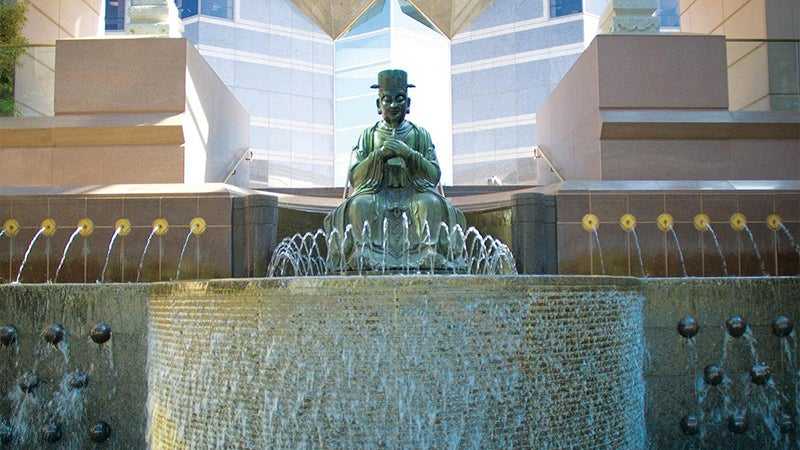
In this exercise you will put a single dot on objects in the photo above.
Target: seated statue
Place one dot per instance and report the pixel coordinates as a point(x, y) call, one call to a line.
point(395, 219)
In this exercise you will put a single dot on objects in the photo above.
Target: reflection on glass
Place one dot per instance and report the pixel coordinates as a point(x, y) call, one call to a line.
point(358, 52)
point(186, 8)
point(668, 13)
point(560, 8)
point(411, 11)
point(115, 15)
point(375, 18)
point(217, 8)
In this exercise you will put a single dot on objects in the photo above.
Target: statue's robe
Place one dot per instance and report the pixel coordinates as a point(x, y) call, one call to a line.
point(389, 194)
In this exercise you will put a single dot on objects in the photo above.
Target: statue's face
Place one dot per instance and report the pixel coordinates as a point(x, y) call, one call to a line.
point(393, 105)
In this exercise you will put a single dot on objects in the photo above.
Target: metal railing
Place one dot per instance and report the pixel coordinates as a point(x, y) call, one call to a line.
point(763, 74)
point(27, 80)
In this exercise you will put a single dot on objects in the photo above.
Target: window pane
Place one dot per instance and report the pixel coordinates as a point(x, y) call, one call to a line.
point(360, 52)
point(186, 8)
point(217, 8)
point(564, 7)
point(375, 18)
point(668, 13)
point(115, 15)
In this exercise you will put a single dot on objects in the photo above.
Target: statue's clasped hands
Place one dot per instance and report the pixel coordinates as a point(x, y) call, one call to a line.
point(395, 147)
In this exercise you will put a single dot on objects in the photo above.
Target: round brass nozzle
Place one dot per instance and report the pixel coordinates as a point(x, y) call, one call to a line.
point(627, 222)
point(701, 222)
point(590, 222)
point(198, 226)
point(665, 222)
point(161, 226)
point(87, 227)
point(11, 227)
point(123, 225)
point(774, 222)
point(49, 226)
point(738, 221)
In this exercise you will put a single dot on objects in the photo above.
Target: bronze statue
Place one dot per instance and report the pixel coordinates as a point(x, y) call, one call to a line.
point(394, 180)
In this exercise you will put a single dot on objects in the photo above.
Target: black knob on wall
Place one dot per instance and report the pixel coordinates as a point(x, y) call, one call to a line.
point(54, 333)
point(782, 326)
point(8, 335)
point(737, 423)
point(101, 333)
point(688, 327)
point(690, 425)
point(100, 432)
point(736, 326)
point(713, 375)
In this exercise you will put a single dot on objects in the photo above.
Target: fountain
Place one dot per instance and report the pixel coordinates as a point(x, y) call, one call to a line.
point(666, 223)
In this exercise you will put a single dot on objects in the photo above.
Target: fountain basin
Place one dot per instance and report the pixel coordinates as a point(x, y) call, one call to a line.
point(397, 362)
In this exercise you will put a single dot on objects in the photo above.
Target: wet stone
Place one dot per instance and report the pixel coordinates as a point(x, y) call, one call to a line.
point(786, 424)
point(51, 432)
point(101, 333)
point(6, 435)
point(28, 382)
point(79, 380)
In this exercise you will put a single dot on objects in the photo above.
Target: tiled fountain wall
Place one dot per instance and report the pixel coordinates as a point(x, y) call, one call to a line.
point(550, 237)
point(238, 240)
point(315, 354)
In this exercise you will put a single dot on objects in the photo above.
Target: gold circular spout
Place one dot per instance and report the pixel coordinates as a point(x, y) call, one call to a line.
point(738, 221)
point(161, 226)
point(774, 222)
point(124, 226)
point(701, 222)
point(11, 227)
point(590, 222)
point(627, 222)
point(665, 222)
point(87, 227)
point(198, 226)
point(49, 226)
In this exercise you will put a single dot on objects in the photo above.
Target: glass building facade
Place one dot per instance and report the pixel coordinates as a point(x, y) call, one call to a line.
point(309, 95)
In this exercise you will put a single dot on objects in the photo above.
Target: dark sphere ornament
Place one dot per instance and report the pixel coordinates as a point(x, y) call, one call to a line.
point(736, 326)
point(760, 373)
point(782, 326)
point(8, 335)
point(737, 423)
point(28, 382)
point(688, 327)
point(100, 432)
point(690, 425)
point(78, 380)
point(713, 375)
point(101, 333)
point(786, 423)
point(54, 334)
point(51, 432)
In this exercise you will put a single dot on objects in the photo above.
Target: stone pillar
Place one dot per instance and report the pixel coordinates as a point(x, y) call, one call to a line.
point(630, 16)
point(533, 225)
point(255, 227)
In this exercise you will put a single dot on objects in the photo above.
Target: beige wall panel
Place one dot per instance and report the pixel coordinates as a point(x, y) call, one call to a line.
point(39, 29)
point(748, 79)
point(120, 75)
point(666, 160)
point(125, 164)
point(731, 6)
point(25, 167)
point(705, 16)
point(34, 80)
point(754, 160)
point(749, 22)
point(79, 19)
point(662, 71)
point(50, 8)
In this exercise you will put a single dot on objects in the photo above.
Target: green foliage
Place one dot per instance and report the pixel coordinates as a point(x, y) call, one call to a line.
point(12, 45)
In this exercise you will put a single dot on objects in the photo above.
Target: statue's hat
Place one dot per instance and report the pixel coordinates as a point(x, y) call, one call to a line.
point(392, 79)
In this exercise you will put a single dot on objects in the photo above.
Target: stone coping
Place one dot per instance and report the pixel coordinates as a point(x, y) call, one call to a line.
point(132, 190)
